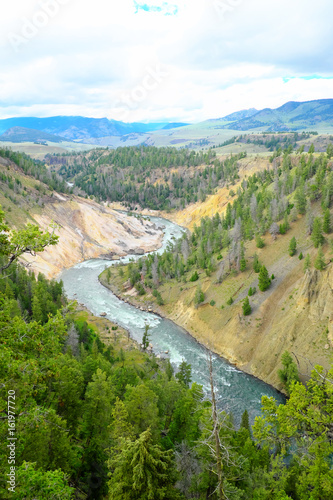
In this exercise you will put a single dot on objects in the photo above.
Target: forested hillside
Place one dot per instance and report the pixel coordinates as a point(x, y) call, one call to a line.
point(149, 177)
point(30, 192)
point(269, 201)
point(254, 278)
point(97, 421)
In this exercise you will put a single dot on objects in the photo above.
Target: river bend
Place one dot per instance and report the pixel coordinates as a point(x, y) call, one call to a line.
point(236, 391)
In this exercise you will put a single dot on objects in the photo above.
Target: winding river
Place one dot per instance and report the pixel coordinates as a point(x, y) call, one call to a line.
point(236, 391)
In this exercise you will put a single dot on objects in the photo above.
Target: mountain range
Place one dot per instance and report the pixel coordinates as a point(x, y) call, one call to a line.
point(79, 128)
point(22, 134)
point(292, 116)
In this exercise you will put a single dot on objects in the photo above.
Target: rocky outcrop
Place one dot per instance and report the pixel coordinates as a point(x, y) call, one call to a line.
point(88, 230)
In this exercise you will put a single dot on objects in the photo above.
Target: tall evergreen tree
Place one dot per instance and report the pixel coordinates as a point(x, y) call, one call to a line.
point(256, 264)
point(142, 471)
point(37, 312)
point(145, 338)
point(300, 199)
point(307, 262)
point(319, 261)
point(264, 279)
point(185, 373)
point(317, 232)
point(292, 246)
point(327, 221)
point(245, 423)
point(247, 309)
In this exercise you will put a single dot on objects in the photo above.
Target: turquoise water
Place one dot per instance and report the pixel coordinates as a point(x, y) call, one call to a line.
point(236, 391)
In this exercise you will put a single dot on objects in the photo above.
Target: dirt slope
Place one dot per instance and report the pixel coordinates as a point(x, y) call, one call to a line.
point(88, 230)
point(218, 202)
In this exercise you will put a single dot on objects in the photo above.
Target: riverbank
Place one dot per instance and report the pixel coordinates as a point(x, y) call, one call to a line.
point(148, 305)
point(237, 390)
point(109, 332)
point(294, 314)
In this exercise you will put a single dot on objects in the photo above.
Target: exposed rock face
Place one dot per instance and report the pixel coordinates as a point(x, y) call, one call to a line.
point(296, 315)
point(88, 230)
point(136, 251)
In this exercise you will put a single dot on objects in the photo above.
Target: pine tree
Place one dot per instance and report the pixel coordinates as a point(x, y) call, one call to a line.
point(37, 312)
point(292, 246)
point(259, 242)
point(327, 221)
point(9, 291)
point(169, 369)
point(307, 262)
point(185, 373)
point(256, 264)
point(142, 471)
point(145, 338)
point(320, 261)
point(300, 199)
point(317, 235)
point(199, 297)
point(289, 374)
point(264, 279)
point(120, 427)
point(247, 309)
point(245, 423)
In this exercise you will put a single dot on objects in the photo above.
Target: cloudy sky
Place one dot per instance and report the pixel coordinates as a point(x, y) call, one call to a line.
point(149, 60)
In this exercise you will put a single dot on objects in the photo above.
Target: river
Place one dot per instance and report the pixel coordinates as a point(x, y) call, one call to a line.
point(236, 391)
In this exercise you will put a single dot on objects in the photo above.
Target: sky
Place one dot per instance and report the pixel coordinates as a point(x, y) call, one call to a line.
point(156, 60)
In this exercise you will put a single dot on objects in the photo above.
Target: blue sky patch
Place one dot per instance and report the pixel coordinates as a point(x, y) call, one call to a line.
point(164, 8)
point(286, 79)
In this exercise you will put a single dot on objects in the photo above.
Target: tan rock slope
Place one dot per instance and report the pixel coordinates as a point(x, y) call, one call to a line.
point(296, 315)
point(88, 230)
point(218, 202)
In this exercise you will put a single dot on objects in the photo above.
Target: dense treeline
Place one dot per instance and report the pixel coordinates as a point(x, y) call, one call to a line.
point(93, 421)
point(155, 178)
point(268, 201)
point(31, 298)
point(35, 169)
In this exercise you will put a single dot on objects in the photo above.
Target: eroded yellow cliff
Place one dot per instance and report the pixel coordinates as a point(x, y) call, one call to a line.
point(88, 230)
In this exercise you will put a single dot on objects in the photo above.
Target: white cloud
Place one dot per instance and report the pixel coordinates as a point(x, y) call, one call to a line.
point(88, 55)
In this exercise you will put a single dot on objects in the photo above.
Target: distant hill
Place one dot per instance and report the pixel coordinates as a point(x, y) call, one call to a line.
point(79, 128)
point(21, 134)
point(240, 115)
point(292, 116)
point(174, 125)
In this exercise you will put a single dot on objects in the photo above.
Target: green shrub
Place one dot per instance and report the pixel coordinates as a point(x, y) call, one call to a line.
point(247, 309)
point(195, 276)
point(259, 242)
